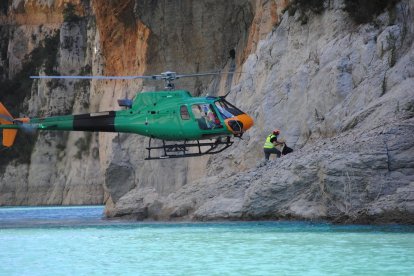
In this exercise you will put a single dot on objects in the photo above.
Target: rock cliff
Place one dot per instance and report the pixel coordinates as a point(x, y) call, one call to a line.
point(48, 37)
point(338, 90)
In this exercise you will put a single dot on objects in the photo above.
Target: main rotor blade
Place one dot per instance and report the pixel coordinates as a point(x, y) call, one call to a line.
point(28, 128)
point(199, 74)
point(93, 77)
point(205, 74)
point(165, 76)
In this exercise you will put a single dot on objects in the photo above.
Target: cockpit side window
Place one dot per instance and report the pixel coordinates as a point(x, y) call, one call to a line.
point(206, 116)
point(184, 113)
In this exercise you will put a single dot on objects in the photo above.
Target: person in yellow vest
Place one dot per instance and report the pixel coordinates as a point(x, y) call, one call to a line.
point(273, 145)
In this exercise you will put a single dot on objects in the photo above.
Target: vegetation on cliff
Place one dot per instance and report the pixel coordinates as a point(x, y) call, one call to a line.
point(360, 11)
point(4, 6)
point(18, 88)
point(339, 91)
point(304, 6)
point(69, 14)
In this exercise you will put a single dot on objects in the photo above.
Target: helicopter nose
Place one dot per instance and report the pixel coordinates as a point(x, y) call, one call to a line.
point(239, 124)
point(246, 120)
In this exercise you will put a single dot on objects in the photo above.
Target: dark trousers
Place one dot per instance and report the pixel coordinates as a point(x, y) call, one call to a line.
point(268, 152)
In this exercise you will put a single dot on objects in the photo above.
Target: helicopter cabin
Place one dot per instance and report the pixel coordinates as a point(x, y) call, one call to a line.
point(177, 115)
point(147, 99)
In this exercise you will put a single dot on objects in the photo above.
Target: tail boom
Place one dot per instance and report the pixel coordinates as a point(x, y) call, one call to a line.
point(101, 121)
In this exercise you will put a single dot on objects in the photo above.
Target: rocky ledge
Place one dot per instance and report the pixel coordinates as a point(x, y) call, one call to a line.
point(352, 178)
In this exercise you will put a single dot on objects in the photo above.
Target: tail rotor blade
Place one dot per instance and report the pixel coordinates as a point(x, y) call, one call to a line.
point(6, 118)
point(28, 128)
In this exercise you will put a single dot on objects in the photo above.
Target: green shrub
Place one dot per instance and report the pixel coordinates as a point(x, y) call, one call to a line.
point(4, 42)
point(4, 6)
point(316, 6)
point(86, 70)
point(83, 144)
point(14, 92)
point(69, 14)
point(364, 11)
point(20, 152)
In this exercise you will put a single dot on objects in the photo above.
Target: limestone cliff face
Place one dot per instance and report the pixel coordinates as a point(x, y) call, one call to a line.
point(340, 93)
point(59, 168)
point(184, 36)
point(101, 37)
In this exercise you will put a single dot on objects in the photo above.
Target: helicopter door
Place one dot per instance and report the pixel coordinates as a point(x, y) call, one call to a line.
point(187, 124)
point(206, 116)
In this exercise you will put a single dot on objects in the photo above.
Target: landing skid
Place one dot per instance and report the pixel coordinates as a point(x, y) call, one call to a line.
point(184, 149)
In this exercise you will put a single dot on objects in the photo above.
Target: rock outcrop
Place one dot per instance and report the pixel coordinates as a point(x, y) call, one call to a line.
point(341, 96)
point(339, 91)
point(58, 168)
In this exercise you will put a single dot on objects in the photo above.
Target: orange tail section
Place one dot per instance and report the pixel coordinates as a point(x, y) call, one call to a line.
point(9, 135)
point(5, 112)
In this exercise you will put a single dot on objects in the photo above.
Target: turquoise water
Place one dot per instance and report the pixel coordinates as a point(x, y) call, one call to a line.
point(77, 241)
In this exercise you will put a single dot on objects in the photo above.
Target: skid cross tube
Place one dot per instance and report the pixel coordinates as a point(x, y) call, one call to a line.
point(181, 150)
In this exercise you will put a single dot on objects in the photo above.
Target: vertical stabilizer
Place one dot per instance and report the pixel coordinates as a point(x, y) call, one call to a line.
point(9, 135)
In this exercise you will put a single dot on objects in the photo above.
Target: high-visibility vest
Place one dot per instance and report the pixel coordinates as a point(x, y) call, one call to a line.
point(268, 144)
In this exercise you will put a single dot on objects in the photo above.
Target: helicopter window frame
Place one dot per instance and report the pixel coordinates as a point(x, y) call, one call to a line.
point(185, 115)
point(206, 116)
point(228, 107)
point(224, 113)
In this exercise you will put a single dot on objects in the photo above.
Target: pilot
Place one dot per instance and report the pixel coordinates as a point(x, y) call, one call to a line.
point(209, 116)
point(213, 120)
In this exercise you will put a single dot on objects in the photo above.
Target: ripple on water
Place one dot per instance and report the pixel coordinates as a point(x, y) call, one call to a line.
point(69, 241)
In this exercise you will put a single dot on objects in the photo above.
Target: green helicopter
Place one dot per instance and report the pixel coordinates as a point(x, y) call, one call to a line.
point(186, 126)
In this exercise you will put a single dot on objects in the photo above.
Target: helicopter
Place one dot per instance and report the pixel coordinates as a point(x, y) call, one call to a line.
point(187, 126)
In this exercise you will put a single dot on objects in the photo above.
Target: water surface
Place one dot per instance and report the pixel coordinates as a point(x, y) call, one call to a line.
point(78, 241)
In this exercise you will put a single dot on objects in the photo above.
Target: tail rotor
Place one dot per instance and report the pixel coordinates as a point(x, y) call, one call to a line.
point(11, 125)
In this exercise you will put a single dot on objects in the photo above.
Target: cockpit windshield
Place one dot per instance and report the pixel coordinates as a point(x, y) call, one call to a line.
point(227, 110)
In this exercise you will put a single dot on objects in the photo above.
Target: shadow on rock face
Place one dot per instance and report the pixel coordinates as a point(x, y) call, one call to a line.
point(119, 180)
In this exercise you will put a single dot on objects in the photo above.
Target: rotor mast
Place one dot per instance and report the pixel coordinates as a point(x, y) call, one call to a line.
point(168, 78)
